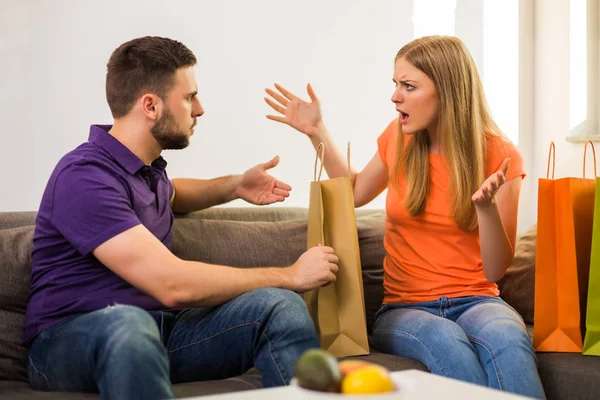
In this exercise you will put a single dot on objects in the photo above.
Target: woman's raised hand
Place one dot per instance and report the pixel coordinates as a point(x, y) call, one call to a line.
point(295, 112)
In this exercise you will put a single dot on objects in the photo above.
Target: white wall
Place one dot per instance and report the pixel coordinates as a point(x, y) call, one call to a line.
point(54, 55)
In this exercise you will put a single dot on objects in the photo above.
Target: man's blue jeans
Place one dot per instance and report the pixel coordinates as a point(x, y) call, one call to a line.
point(128, 353)
point(478, 339)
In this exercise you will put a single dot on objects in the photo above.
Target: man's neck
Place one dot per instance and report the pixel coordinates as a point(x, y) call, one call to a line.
point(137, 139)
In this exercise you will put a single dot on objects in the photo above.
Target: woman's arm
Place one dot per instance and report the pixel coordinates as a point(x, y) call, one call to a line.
point(307, 118)
point(497, 205)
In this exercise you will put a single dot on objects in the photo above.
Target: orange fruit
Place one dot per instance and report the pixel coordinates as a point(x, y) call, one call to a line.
point(348, 366)
point(368, 380)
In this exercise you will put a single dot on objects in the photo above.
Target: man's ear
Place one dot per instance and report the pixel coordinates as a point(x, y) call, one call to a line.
point(151, 105)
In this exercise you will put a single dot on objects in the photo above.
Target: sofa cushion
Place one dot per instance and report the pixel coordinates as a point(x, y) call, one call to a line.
point(370, 239)
point(15, 268)
point(568, 376)
point(239, 243)
point(16, 219)
point(517, 286)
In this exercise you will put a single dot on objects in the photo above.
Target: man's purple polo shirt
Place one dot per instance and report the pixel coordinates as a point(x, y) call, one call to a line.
point(96, 191)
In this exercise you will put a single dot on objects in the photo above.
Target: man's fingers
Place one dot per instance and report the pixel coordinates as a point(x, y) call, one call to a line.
point(271, 163)
point(332, 258)
point(327, 249)
point(333, 268)
point(283, 185)
point(281, 192)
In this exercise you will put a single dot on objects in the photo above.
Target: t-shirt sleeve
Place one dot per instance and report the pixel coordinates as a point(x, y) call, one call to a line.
point(384, 141)
point(90, 206)
point(499, 149)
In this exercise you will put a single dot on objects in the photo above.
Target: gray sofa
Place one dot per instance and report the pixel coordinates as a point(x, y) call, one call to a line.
point(247, 237)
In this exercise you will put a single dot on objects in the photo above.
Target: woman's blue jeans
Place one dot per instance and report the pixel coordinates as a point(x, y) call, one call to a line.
point(478, 339)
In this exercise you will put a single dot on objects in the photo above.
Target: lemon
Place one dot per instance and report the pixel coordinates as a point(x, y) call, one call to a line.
point(367, 380)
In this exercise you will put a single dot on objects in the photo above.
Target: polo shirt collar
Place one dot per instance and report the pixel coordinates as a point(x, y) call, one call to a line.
point(99, 135)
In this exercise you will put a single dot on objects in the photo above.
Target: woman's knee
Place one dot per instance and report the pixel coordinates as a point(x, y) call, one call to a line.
point(504, 336)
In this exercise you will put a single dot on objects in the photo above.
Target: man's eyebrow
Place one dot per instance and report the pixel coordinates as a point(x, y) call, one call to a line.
point(192, 94)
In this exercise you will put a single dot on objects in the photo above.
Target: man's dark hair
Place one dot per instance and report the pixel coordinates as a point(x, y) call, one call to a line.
point(146, 64)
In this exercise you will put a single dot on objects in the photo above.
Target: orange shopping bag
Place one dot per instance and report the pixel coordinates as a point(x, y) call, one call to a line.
point(564, 238)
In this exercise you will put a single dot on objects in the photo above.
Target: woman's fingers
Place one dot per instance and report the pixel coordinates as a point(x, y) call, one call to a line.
point(275, 106)
point(277, 118)
point(288, 95)
point(283, 101)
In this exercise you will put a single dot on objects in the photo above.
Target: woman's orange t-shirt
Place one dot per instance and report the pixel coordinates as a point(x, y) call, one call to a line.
point(429, 256)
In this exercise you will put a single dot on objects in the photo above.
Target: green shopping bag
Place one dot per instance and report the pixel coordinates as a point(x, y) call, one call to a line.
point(591, 344)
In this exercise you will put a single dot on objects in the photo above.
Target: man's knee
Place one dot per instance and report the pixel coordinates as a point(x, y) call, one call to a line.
point(127, 328)
point(286, 309)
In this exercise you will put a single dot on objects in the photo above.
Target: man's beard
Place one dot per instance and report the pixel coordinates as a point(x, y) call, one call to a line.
point(166, 134)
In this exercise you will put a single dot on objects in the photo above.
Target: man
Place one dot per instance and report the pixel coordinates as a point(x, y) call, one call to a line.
point(111, 308)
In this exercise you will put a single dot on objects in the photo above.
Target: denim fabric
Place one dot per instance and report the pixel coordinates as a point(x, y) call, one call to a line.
point(128, 353)
point(477, 339)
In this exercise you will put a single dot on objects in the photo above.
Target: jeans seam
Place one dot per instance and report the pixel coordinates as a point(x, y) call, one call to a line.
point(213, 336)
point(162, 327)
point(235, 327)
point(39, 372)
point(418, 341)
point(273, 356)
point(487, 348)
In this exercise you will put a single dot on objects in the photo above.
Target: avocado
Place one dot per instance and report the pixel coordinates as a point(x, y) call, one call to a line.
point(318, 370)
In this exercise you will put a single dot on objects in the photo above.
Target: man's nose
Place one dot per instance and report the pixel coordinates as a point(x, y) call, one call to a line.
point(198, 110)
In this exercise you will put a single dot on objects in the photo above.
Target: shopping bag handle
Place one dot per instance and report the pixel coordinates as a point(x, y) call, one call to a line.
point(552, 152)
point(584, 156)
point(321, 150)
point(348, 158)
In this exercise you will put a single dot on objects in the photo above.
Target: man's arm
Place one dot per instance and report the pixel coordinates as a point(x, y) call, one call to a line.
point(255, 186)
point(141, 259)
point(197, 194)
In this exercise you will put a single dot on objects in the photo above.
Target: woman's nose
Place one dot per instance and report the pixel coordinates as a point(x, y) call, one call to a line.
point(397, 96)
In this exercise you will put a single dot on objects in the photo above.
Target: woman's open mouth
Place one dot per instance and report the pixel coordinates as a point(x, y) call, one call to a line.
point(403, 117)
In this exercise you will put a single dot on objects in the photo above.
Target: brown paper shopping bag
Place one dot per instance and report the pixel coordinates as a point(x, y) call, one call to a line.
point(564, 233)
point(338, 309)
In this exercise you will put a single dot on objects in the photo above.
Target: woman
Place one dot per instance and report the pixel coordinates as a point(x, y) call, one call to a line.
point(452, 203)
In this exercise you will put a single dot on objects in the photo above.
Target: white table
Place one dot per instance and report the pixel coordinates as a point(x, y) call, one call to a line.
point(412, 384)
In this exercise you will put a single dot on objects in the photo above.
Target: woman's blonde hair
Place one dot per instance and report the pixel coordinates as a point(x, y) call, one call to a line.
point(463, 120)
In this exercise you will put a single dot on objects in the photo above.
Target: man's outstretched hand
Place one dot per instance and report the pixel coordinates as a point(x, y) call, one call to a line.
point(260, 188)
